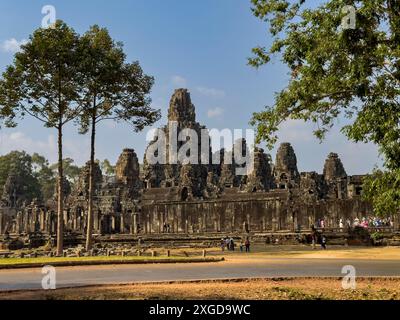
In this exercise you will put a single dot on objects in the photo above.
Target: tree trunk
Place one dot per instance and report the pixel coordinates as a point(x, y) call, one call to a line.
point(60, 190)
point(91, 183)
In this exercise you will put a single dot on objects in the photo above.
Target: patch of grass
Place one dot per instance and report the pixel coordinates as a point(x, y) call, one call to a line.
point(48, 260)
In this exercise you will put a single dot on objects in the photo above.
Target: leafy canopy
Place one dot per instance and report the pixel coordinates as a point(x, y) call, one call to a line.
point(335, 73)
point(43, 81)
point(20, 164)
point(113, 89)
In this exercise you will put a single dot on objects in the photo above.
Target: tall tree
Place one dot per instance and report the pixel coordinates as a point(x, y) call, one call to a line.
point(43, 82)
point(113, 90)
point(338, 70)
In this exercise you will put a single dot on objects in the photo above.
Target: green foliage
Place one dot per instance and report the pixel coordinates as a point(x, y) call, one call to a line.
point(44, 175)
point(21, 165)
point(38, 176)
point(352, 73)
point(71, 171)
point(113, 89)
point(43, 80)
point(107, 168)
point(383, 188)
point(376, 236)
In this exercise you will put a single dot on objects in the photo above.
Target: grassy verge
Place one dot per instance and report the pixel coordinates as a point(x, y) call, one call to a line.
point(14, 263)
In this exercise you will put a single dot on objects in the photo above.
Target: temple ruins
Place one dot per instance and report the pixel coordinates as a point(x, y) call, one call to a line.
point(195, 199)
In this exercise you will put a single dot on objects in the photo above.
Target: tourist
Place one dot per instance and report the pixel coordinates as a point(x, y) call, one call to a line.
point(222, 244)
point(231, 244)
point(323, 242)
point(241, 246)
point(247, 244)
point(341, 225)
point(227, 241)
point(313, 237)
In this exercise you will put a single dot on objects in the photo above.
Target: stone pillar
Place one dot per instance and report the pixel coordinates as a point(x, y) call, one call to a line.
point(26, 220)
point(148, 224)
point(75, 220)
point(134, 223)
point(96, 221)
point(65, 218)
point(122, 228)
point(42, 220)
point(396, 222)
point(18, 226)
point(112, 224)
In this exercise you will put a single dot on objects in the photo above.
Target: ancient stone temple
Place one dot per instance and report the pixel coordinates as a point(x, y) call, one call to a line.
point(206, 197)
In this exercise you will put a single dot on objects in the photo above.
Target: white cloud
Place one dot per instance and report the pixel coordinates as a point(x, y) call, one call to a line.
point(17, 140)
point(179, 81)
point(213, 113)
point(357, 158)
point(295, 131)
point(211, 92)
point(12, 45)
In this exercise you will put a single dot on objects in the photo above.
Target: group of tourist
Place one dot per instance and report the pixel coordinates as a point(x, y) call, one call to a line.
point(229, 244)
point(370, 222)
point(167, 228)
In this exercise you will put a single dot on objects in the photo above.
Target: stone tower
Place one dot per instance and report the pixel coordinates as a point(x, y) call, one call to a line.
point(127, 169)
point(333, 168)
point(181, 115)
point(261, 177)
point(181, 108)
point(285, 172)
point(82, 188)
point(335, 177)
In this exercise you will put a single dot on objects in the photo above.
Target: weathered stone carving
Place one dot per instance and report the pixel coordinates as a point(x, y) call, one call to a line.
point(333, 168)
point(285, 171)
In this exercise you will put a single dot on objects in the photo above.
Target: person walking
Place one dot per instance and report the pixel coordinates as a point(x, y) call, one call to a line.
point(231, 244)
point(247, 245)
point(323, 242)
point(222, 244)
point(314, 236)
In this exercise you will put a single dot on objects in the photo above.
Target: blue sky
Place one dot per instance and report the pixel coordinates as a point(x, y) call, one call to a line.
point(202, 45)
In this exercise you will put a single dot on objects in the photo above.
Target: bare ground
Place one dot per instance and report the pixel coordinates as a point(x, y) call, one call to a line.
point(256, 289)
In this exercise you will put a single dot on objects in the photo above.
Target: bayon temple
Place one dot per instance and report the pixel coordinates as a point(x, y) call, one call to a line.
point(195, 198)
